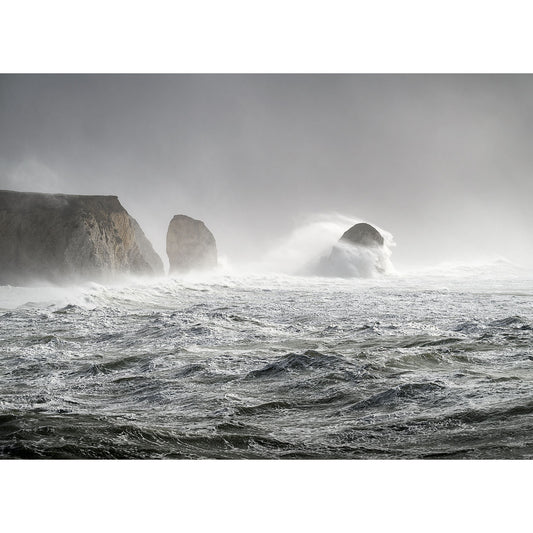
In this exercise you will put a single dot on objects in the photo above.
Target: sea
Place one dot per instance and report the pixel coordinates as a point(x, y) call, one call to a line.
point(427, 364)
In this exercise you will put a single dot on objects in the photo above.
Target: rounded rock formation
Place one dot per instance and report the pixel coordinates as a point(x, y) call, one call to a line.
point(360, 253)
point(190, 245)
point(363, 234)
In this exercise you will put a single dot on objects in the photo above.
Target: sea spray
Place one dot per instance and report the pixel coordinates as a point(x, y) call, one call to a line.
point(308, 248)
point(356, 261)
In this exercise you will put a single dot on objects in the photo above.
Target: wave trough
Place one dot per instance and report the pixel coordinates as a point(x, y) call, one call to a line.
point(269, 366)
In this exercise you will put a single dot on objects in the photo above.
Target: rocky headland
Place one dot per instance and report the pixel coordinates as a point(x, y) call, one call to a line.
point(61, 238)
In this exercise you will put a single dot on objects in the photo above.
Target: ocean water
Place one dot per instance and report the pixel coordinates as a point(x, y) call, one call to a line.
point(228, 365)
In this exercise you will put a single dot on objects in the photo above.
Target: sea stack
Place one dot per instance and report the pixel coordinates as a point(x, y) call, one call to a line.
point(363, 234)
point(190, 245)
point(62, 238)
point(359, 253)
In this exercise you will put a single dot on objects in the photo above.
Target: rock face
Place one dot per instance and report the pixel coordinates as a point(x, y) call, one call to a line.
point(62, 238)
point(190, 245)
point(363, 234)
point(145, 248)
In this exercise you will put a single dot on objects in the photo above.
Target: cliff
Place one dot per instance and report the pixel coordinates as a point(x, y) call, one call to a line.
point(62, 238)
point(190, 245)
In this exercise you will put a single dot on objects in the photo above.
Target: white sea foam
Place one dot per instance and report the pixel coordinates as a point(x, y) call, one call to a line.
point(294, 263)
point(306, 249)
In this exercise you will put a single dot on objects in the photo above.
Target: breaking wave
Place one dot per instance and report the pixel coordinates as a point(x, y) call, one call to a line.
point(314, 249)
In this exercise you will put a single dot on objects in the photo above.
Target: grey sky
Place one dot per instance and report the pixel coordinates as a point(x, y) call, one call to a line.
point(443, 162)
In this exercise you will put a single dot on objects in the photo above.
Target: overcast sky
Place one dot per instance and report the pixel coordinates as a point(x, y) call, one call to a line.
point(443, 162)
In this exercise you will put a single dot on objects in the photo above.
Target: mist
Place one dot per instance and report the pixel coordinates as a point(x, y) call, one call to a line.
point(442, 162)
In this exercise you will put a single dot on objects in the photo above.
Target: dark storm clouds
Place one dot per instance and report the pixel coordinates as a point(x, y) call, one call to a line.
point(443, 162)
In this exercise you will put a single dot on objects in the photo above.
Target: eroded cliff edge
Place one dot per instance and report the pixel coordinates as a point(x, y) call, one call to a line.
point(62, 238)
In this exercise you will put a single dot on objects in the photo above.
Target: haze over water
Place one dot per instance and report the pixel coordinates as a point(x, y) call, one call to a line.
point(443, 162)
point(263, 358)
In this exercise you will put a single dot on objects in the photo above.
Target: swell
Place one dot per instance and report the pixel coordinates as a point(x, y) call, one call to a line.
point(269, 368)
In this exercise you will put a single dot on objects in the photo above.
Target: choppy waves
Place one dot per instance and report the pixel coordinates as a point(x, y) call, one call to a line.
point(269, 366)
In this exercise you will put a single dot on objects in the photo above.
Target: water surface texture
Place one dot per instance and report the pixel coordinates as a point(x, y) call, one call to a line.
point(270, 367)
